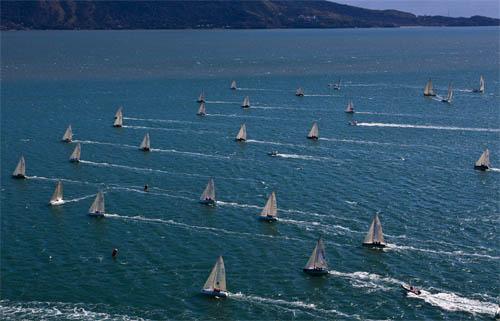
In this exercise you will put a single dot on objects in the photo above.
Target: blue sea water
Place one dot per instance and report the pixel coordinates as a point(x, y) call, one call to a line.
point(410, 160)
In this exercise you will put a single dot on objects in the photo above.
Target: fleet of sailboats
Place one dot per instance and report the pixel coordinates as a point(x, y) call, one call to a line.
point(246, 102)
point(215, 285)
point(68, 135)
point(483, 163)
point(146, 143)
point(429, 89)
point(202, 110)
point(20, 170)
point(233, 85)
point(97, 207)
point(350, 107)
point(57, 196)
point(375, 236)
point(242, 134)
point(481, 86)
point(270, 211)
point(317, 264)
point(449, 97)
point(208, 195)
point(314, 132)
point(75, 155)
point(299, 92)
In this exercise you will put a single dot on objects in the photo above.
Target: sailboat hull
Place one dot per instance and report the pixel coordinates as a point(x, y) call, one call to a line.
point(429, 95)
point(375, 245)
point(245, 106)
point(477, 91)
point(145, 149)
point(316, 272)
point(481, 167)
point(349, 111)
point(240, 139)
point(74, 160)
point(208, 202)
point(19, 176)
point(413, 290)
point(268, 218)
point(97, 214)
point(215, 294)
point(66, 140)
point(117, 126)
point(312, 137)
point(56, 202)
point(201, 114)
point(299, 95)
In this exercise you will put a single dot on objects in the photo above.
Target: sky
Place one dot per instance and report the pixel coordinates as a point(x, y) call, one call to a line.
point(452, 8)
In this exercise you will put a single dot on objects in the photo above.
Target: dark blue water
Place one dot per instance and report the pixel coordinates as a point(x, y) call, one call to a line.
point(410, 160)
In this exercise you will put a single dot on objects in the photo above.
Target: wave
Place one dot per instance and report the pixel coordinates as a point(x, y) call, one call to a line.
point(495, 130)
point(453, 253)
point(161, 120)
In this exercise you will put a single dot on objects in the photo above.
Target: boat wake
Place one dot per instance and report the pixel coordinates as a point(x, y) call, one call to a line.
point(243, 116)
point(272, 143)
point(386, 114)
point(55, 179)
point(170, 129)
point(453, 253)
point(261, 89)
point(140, 191)
point(233, 204)
point(104, 143)
point(362, 279)
point(494, 169)
point(319, 95)
point(171, 121)
point(174, 151)
point(73, 200)
point(304, 157)
point(494, 130)
point(221, 102)
point(273, 107)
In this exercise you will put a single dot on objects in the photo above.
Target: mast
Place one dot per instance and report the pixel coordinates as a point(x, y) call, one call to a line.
point(58, 193)
point(233, 85)
point(20, 170)
point(68, 135)
point(317, 258)
point(201, 110)
point(242, 134)
point(271, 208)
point(146, 144)
point(375, 236)
point(98, 205)
point(217, 277)
point(75, 156)
point(484, 160)
point(209, 192)
point(314, 132)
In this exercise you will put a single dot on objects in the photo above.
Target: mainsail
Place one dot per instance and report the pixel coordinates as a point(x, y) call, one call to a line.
point(146, 143)
point(271, 208)
point(317, 259)
point(209, 192)
point(68, 134)
point(375, 234)
point(429, 90)
point(75, 156)
point(449, 97)
point(233, 84)
point(201, 110)
point(20, 170)
point(217, 277)
point(246, 102)
point(314, 132)
point(98, 205)
point(242, 134)
point(118, 120)
point(201, 98)
point(299, 92)
point(350, 107)
point(481, 84)
point(119, 112)
point(484, 160)
point(58, 193)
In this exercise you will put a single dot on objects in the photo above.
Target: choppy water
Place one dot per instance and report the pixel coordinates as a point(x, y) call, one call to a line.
point(410, 160)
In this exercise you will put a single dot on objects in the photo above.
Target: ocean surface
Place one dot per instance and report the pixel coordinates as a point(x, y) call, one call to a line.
point(410, 160)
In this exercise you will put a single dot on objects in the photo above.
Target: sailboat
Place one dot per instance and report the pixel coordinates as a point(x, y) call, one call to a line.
point(75, 156)
point(246, 102)
point(208, 195)
point(146, 143)
point(201, 110)
point(314, 132)
point(119, 112)
point(299, 92)
point(317, 264)
point(97, 208)
point(201, 97)
point(57, 197)
point(337, 85)
point(350, 107)
point(428, 89)
point(270, 211)
point(242, 134)
point(68, 135)
point(20, 171)
point(215, 285)
point(449, 96)
point(483, 163)
point(375, 236)
point(118, 120)
point(481, 86)
point(233, 85)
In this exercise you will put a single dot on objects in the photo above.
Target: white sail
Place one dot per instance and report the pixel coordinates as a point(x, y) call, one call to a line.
point(484, 160)
point(20, 168)
point(314, 132)
point(118, 120)
point(201, 110)
point(449, 97)
point(271, 208)
point(68, 134)
point(242, 134)
point(209, 192)
point(317, 259)
point(75, 156)
point(146, 143)
point(58, 193)
point(201, 98)
point(375, 234)
point(429, 90)
point(98, 205)
point(350, 107)
point(299, 92)
point(246, 102)
point(217, 277)
point(481, 84)
point(233, 84)
point(119, 112)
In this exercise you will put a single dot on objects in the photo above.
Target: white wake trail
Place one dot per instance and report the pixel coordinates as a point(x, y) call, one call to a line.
point(493, 130)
